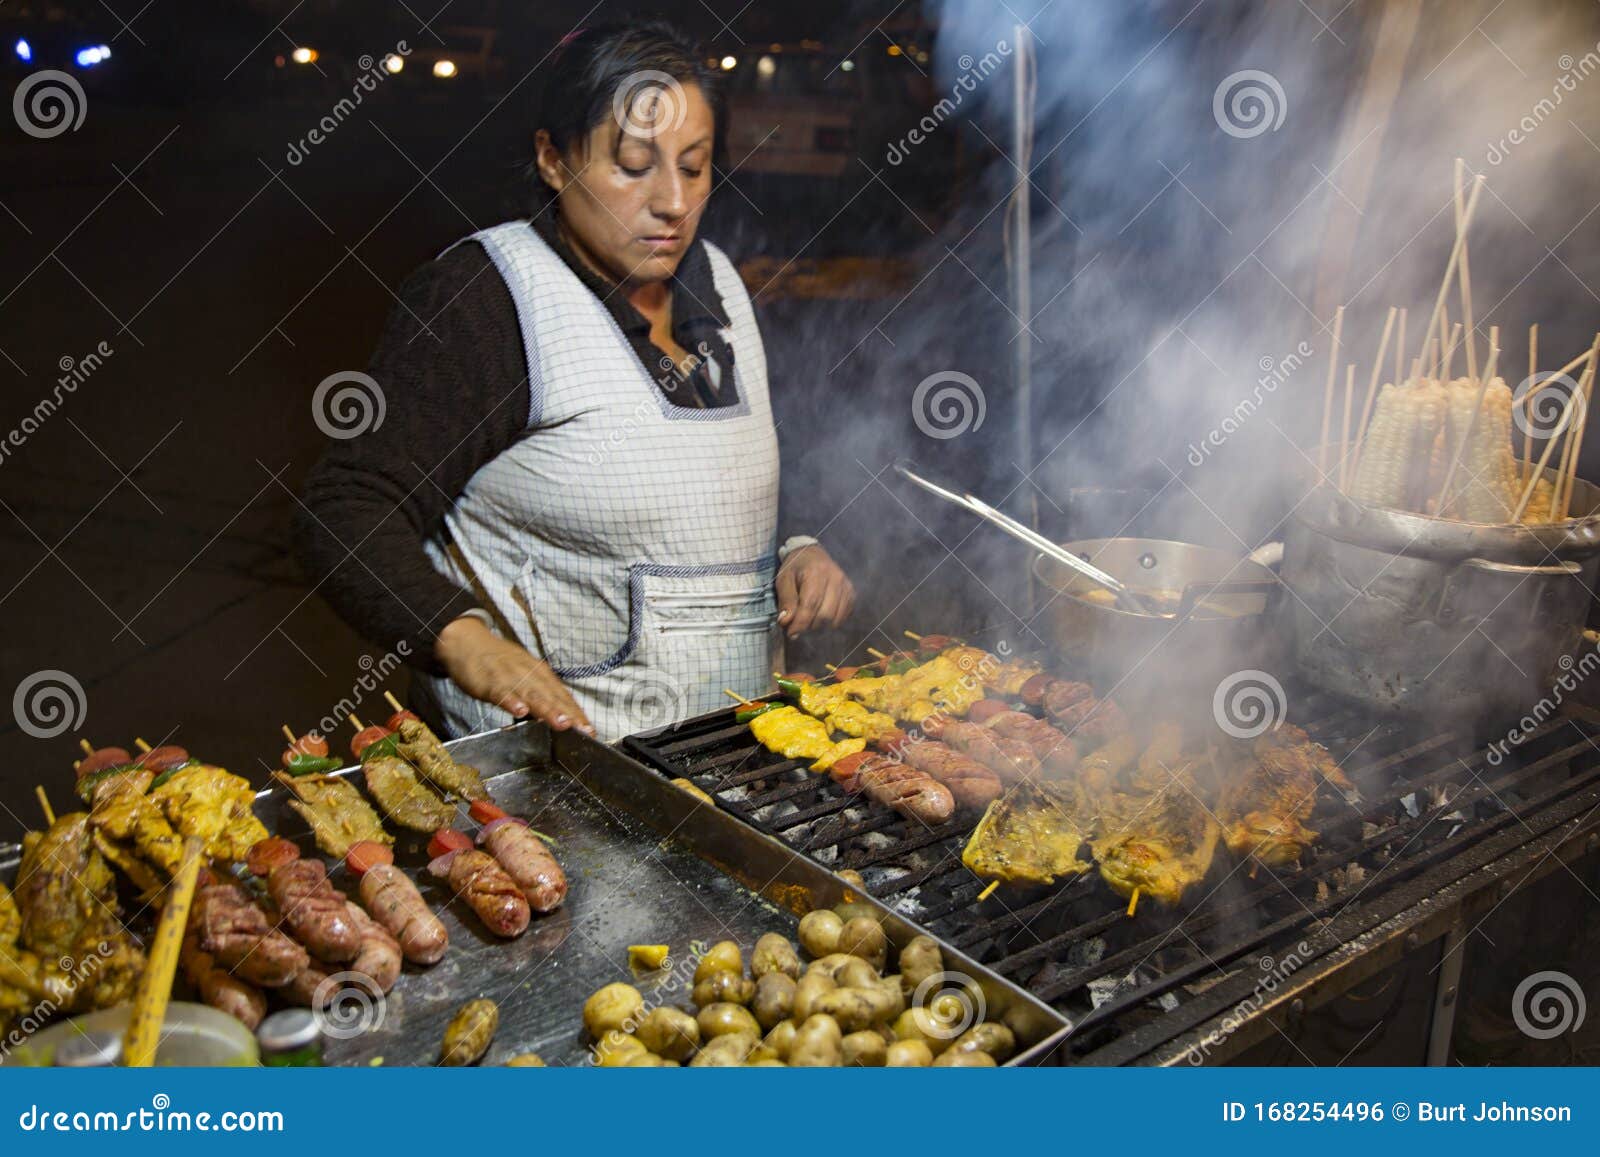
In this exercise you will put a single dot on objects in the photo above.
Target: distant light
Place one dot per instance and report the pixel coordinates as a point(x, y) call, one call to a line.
point(444, 69)
point(24, 50)
point(393, 63)
point(766, 66)
point(729, 63)
point(848, 65)
point(923, 57)
point(894, 50)
point(279, 60)
point(89, 57)
point(304, 55)
point(774, 47)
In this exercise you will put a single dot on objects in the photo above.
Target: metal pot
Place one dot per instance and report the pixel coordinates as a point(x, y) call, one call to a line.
point(1220, 624)
point(1415, 615)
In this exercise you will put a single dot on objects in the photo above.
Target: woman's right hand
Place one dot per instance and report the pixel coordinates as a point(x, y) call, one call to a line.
point(501, 672)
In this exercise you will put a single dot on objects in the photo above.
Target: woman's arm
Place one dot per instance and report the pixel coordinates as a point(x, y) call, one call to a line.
point(455, 391)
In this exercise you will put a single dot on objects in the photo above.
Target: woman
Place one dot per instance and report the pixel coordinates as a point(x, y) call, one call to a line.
point(569, 508)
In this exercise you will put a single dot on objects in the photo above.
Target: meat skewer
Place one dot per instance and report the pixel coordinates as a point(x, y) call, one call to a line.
point(523, 855)
point(913, 793)
point(423, 749)
point(401, 794)
point(394, 902)
point(237, 932)
point(971, 783)
point(217, 987)
point(479, 880)
point(313, 908)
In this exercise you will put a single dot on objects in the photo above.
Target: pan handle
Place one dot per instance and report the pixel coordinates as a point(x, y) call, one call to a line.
point(1195, 593)
point(1268, 554)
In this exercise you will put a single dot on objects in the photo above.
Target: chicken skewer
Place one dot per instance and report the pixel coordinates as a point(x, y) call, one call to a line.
point(433, 761)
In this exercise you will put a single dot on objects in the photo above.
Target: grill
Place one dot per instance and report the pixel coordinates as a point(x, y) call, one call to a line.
point(1440, 820)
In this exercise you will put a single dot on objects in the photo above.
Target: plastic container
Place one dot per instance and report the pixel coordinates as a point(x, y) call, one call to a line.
point(191, 1035)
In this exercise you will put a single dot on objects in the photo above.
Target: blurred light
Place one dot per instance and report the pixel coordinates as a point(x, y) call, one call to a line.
point(766, 66)
point(923, 57)
point(24, 50)
point(848, 65)
point(393, 63)
point(304, 55)
point(89, 57)
point(774, 47)
point(894, 50)
point(729, 63)
point(444, 69)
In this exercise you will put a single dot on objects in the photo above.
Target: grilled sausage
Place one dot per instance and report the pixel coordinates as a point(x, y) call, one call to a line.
point(1010, 759)
point(479, 880)
point(379, 958)
point(310, 987)
point(221, 990)
point(1056, 753)
point(972, 784)
point(912, 793)
point(314, 910)
point(527, 861)
point(396, 904)
point(241, 938)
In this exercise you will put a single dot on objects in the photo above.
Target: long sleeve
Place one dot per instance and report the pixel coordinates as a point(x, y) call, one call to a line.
point(455, 391)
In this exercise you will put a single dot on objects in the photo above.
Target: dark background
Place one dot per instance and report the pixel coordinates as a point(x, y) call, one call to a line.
point(145, 523)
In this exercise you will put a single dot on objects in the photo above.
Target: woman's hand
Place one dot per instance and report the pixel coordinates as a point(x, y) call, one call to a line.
point(812, 591)
point(501, 672)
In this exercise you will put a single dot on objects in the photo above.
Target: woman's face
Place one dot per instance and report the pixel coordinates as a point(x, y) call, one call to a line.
point(631, 197)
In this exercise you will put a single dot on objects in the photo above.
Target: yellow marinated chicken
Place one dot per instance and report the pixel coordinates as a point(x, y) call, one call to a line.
point(338, 815)
point(1099, 771)
point(214, 804)
point(795, 735)
point(132, 832)
point(1270, 792)
point(1029, 837)
point(1159, 845)
point(10, 919)
point(846, 715)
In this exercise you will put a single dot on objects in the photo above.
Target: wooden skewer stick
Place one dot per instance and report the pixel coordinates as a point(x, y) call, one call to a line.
point(875, 653)
point(831, 666)
point(736, 697)
point(155, 983)
point(1400, 351)
point(1577, 441)
point(1133, 901)
point(88, 748)
point(289, 735)
point(138, 741)
point(44, 805)
point(1450, 352)
point(1372, 388)
point(912, 635)
point(1344, 433)
point(1544, 460)
point(989, 891)
point(1327, 392)
point(1582, 360)
point(393, 702)
point(1472, 422)
point(1454, 262)
point(1533, 388)
point(1466, 275)
point(355, 721)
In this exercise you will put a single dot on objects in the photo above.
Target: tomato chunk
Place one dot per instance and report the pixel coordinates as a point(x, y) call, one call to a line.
point(447, 840)
point(484, 811)
point(272, 852)
point(366, 855)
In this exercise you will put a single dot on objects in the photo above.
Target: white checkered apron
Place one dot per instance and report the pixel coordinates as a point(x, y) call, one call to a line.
point(628, 541)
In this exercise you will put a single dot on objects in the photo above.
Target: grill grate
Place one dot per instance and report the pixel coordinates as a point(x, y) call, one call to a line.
point(1424, 799)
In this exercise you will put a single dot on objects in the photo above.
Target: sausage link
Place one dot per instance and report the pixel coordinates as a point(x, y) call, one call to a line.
point(972, 784)
point(528, 861)
point(479, 880)
point(243, 940)
point(379, 958)
point(217, 988)
point(912, 793)
point(314, 910)
point(396, 904)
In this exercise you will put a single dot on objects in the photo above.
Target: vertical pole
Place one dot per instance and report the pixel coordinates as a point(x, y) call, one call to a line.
point(1022, 280)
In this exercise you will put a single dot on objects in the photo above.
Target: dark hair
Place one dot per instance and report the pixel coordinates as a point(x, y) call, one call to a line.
point(591, 66)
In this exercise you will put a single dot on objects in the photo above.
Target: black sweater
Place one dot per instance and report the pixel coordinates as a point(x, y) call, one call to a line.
point(455, 382)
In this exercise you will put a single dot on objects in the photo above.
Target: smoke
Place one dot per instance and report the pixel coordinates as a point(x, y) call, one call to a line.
point(1209, 181)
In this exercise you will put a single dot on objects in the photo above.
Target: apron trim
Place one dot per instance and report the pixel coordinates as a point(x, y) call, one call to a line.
point(490, 241)
point(637, 573)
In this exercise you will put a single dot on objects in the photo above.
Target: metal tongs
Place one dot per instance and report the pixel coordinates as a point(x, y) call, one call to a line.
point(1127, 598)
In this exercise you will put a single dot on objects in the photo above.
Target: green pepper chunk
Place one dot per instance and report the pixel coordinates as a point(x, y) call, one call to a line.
point(749, 713)
point(302, 764)
point(791, 687)
point(388, 745)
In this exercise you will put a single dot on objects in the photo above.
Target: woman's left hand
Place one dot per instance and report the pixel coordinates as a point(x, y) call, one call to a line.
point(812, 591)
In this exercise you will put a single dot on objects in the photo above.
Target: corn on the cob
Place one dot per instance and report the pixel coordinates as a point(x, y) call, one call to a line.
point(1484, 488)
point(1379, 472)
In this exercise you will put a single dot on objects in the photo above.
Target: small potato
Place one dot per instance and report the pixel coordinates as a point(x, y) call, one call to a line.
point(819, 933)
point(526, 1061)
point(612, 1008)
point(774, 999)
point(988, 1037)
point(816, 1043)
point(863, 937)
point(467, 1036)
point(830, 964)
point(724, 1018)
point(616, 1049)
point(781, 1039)
point(894, 996)
point(723, 956)
point(727, 1051)
point(908, 1054)
point(918, 1024)
point(1027, 1023)
point(762, 1052)
point(950, 1059)
point(810, 987)
point(855, 909)
point(919, 960)
point(865, 1050)
point(774, 954)
point(647, 1061)
point(853, 878)
point(719, 987)
point(855, 973)
point(766, 1063)
point(855, 1008)
point(670, 1033)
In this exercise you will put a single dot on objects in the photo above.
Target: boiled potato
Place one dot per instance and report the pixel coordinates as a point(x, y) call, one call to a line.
point(526, 1061)
point(1028, 1024)
point(727, 1051)
point(774, 999)
point(819, 933)
point(616, 1049)
point(808, 989)
point(467, 1036)
point(893, 996)
point(830, 964)
point(919, 1024)
point(611, 1008)
point(908, 1054)
point(855, 1008)
point(864, 1049)
point(855, 973)
point(863, 936)
point(766, 1063)
point(988, 1037)
point(853, 878)
point(919, 960)
point(854, 910)
point(723, 1018)
point(670, 1033)
point(723, 956)
point(774, 954)
point(781, 1039)
point(648, 1061)
point(950, 1059)
point(729, 987)
point(817, 1043)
